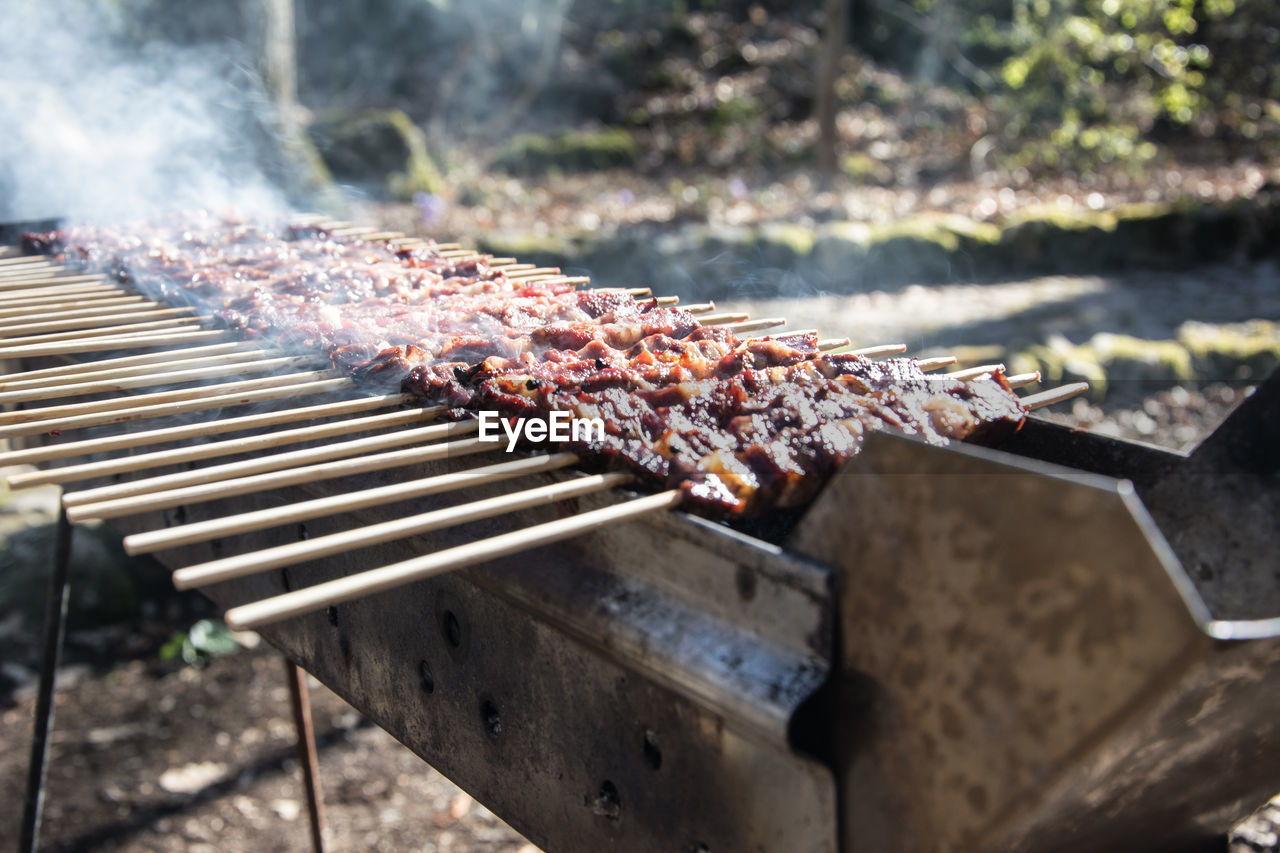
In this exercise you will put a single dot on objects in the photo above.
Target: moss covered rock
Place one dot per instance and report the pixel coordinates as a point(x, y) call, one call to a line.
point(866, 169)
point(1232, 351)
point(569, 151)
point(783, 244)
point(377, 148)
point(103, 581)
point(1201, 352)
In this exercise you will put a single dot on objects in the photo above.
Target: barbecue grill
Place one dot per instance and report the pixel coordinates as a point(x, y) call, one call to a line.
point(1066, 642)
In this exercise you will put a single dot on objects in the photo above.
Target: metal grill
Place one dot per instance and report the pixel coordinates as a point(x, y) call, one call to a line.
point(954, 647)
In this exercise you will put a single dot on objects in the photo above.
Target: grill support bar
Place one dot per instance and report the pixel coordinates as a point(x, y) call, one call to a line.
point(55, 625)
point(300, 704)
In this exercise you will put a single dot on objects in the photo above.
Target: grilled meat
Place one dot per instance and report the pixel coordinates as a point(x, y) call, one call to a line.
point(737, 425)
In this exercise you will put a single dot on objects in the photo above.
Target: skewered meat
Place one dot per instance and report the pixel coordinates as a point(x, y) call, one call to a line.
point(737, 425)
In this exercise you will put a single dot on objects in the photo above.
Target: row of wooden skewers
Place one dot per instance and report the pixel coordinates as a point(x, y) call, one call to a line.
point(46, 311)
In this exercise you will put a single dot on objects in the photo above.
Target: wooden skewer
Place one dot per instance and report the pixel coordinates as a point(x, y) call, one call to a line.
point(228, 447)
point(661, 300)
point(104, 319)
point(235, 362)
point(554, 279)
point(1020, 380)
point(39, 313)
point(40, 272)
point(454, 254)
point(68, 304)
point(927, 364)
point(701, 308)
point(132, 401)
point(142, 334)
point(532, 271)
point(273, 462)
point(27, 293)
point(877, 352)
point(37, 280)
point(723, 319)
point(164, 410)
point(448, 247)
point(1054, 395)
point(34, 271)
point(20, 271)
point(398, 574)
point(777, 336)
point(354, 231)
point(167, 435)
point(235, 525)
point(152, 358)
point(14, 255)
point(144, 379)
point(639, 291)
point(101, 331)
point(14, 296)
point(831, 344)
point(390, 531)
point(755, 325)
point(277, 479)
point(111, 342)
point(10, 301)
point(974, 372)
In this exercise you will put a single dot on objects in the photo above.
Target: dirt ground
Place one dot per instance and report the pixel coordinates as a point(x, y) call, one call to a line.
point(150, 758)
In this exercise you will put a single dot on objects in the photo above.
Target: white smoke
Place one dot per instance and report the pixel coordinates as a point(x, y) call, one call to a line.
point(95, 130)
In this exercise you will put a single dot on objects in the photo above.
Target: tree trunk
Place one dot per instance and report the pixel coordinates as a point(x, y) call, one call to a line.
point(828, 70)
point(297, 168)
point(279, 60)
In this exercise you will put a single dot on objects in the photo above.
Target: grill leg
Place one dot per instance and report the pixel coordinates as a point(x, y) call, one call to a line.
point(55, 619)
point(301, 702)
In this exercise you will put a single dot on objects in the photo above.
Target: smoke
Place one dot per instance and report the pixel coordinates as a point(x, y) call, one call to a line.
point(94, 129)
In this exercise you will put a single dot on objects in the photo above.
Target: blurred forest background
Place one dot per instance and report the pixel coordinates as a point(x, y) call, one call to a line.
point(503, 114)
point(1087, 188)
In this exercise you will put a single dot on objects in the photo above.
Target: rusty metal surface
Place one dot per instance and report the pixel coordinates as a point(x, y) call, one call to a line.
point(631, 691)
point(1091, 453)
point(1220, 510)
point(1217, 507)
point(1025, 666)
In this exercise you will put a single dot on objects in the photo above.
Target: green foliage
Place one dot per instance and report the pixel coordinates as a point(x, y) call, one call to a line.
point(207, 639)
point(734, 110)
point(1086, 80)
point(866, 169)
